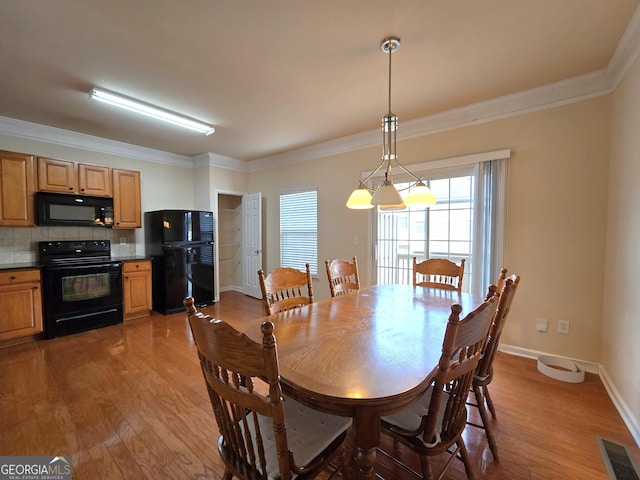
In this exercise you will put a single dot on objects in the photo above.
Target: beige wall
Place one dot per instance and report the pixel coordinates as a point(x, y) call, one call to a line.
point(621, 332)
point(555, 222)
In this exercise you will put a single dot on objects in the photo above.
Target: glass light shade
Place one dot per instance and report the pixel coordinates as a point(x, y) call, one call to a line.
point(420, 194)
point(391, 208)
point(386, 194)
point(360, 199)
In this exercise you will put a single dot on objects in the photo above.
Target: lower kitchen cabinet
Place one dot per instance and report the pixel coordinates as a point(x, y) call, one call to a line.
point(136, 288)
point(20, 304)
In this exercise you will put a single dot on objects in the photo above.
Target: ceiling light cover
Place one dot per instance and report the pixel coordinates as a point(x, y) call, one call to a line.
point(149, 110)
point(360, 199)
point(387, 195)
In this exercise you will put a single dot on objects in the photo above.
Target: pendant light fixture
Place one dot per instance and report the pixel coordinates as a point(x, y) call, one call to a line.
point(387, 195)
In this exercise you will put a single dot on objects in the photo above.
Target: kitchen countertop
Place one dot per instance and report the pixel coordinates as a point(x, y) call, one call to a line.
point(19, 266)
point(132, 258)
point(35, 264)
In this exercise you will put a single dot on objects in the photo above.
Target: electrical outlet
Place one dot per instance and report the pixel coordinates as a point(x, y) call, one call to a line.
point(542, 325)
point(563, 326)
point(123, 240)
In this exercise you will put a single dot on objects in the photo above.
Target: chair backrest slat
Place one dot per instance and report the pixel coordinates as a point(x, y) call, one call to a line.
point(283, 289)
point(343, 276)
point(438, 273)
point(506, 292)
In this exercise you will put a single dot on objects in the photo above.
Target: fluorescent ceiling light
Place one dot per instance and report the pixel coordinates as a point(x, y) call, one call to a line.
point(137, 106)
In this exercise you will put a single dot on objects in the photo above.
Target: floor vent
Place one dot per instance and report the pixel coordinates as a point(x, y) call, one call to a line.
point(618, 461)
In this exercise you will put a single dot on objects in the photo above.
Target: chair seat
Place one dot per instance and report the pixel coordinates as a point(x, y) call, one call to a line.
point(411, 417)
point(309, 432)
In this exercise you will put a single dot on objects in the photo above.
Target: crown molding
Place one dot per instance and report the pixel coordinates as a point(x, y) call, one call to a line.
point(626, 52)
point(214, 160)
point(572, 90)
point(67, 138)
point(548, 96)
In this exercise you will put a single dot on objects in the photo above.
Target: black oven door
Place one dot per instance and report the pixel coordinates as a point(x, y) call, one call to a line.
point(81, 297)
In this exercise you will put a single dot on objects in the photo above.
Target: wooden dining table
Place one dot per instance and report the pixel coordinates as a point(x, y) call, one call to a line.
point(363, 355)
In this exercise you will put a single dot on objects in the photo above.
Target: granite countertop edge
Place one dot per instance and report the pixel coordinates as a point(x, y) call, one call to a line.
point(36, 264)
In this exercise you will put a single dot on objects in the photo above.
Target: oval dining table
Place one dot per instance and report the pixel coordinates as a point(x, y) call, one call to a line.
point(363, 355)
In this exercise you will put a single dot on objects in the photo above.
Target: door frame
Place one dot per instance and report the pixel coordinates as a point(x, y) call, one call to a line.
point(216, 220)
point(216, 209)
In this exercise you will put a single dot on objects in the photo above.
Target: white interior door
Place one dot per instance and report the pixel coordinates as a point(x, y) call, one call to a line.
point(251, 243)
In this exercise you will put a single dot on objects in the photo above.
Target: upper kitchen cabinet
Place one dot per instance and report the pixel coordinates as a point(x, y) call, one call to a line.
point(127, 210)
point(17, 187)
point(94, 180)
point(64, 176)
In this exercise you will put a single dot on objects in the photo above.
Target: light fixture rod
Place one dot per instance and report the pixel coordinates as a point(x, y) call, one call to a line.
point(387, 195)
point(137, 106)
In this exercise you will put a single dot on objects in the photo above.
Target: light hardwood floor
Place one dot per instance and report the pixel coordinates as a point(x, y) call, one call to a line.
point(129, 402)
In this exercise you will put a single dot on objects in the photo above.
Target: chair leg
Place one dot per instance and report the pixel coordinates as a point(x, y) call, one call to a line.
point(477, 390)
point(465, 459)
point(485, 422)
point(492, 409)
point(427, 471)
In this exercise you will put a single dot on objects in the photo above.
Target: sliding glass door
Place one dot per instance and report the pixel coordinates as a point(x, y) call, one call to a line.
point(466, 223)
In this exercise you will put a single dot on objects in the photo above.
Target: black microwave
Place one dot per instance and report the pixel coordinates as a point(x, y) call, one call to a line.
point(61, 209)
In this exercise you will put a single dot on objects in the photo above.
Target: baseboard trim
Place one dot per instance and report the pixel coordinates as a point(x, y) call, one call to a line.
point(625, 412)
point(627, 415)
point(588, 367)
point(233, 288)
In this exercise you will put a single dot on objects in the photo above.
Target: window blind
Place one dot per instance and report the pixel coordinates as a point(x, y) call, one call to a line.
point(299, 230)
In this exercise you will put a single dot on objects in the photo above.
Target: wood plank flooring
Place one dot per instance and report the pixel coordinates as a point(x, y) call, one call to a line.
point(128, 402)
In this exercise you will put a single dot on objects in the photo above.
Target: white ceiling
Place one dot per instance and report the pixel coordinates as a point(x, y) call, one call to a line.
point(276, 76)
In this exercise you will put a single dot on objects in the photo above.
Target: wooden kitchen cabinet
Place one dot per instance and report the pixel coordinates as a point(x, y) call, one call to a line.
point(94, 180)
point(20, 304)
point(64, 176)
point(17, 187)
point(137, 288)
point(127, 209)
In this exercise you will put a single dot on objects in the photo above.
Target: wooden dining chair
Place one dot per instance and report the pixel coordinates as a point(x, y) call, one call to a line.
point(283, 289)
point(343, 276)
point(438, 273)
point(484, 371)
point(263, 433)
point(433, 424)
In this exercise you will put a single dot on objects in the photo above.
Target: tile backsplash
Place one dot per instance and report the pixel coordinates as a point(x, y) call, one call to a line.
point(18, 245)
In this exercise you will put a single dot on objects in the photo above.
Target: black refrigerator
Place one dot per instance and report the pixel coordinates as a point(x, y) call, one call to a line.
point(180, 245)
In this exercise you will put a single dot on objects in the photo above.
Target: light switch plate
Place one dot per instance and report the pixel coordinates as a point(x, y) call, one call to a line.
point(542, 325)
